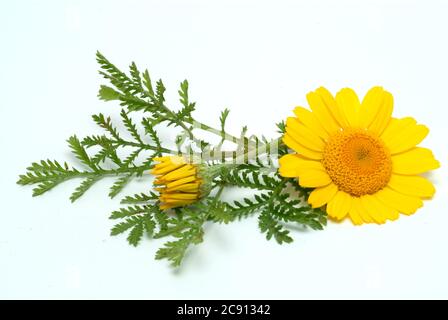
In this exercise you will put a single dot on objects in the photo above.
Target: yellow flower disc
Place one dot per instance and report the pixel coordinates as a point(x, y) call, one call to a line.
point(357, 162)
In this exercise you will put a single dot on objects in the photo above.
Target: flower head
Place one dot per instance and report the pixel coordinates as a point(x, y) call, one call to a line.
point(179, 182)
point(362, 162)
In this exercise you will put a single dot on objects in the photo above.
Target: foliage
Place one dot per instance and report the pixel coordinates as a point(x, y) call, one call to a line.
point(117, 153)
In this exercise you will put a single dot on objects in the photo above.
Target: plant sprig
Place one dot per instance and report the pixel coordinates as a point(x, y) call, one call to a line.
point(273, 202)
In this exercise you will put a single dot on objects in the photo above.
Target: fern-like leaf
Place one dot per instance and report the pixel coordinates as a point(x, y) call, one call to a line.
point(272, 228)
point(80, 153)
point(119, 184)
point(83, 187)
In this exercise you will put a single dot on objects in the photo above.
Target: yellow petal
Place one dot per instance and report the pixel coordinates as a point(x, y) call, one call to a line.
point(412, 185)
point(355, 212)
point(291, 165)
point(321, 196)
point(165, 206)
point(165, 168)
point(395, 126)
point(403, 203)
point(160, 159)
point(322, 113)
point(377, 210)
point(183, 172)
point(370, 106)
point(409, 135)
point(349, 105)
point(309, 120)
point(383, 117)
point(181, 181)
point(414, 161)
point(178, 196)
point(313, 178)
point(330, 102)
point(360, 210)
point(188, 187)
point(172, 203)
point(299, 148)
point(340, 205)
point(304, 135)
point(163, 164)
point(371, 208)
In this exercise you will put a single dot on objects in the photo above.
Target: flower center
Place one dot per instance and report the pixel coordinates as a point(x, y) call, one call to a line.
point(357, 162)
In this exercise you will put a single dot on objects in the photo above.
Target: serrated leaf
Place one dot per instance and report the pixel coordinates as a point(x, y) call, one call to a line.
point(83, 187)
point(140, 198)
point(149, 225)
point(272, 228)
point(127, 212)
point(223, 119)
point(136, 234)
point(106, 123)
point(132, 129)
point(124, 226)
point(174, 251)
point(44, 187)
point(147, 83)
point(79, 151)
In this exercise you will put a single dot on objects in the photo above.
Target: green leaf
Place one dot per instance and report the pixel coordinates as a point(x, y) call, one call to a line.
point(281, 127)
point(223, 119)
point(119, 184)
point(80, 153)
point(127, 212)
point(241, 210)
point(249, 177)
point(160, 91)
point(124, 226)
point(136, 234)
point(135, 104)
point(108, 94)
point(220, 212)
point(272, 228)
point(140, 198)
point(117, 78)
point(130, 126)
point(183, 93)
point(149, 129)
point(149, 224)
point(162, 220)
point(131, 158)
point(106, 124)
point(174, 251)
point(45, 186)
point(136, 78)
point(83, 187)
point(48, 166)
point(147, 83)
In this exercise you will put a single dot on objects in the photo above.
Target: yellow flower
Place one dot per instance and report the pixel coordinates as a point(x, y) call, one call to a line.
point(362, 162)
point(178, 181)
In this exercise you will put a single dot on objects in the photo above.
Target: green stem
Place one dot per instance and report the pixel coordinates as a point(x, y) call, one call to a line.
point(102, 172)
point(222, 134)
point(219, 192)
point(178, 121)
point(145, 146)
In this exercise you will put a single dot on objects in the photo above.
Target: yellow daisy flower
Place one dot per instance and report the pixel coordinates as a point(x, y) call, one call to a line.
point(362, 162)
point(178, 181)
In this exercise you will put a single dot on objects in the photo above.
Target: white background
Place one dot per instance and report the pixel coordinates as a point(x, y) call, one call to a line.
point(258, 58)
